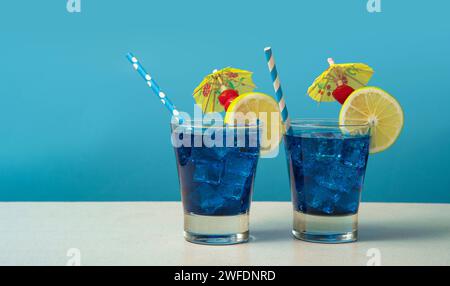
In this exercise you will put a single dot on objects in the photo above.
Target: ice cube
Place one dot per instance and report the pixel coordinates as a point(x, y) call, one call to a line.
point(322, 200)
point(208, 172)
point(239, 169)
point(221, 199)
point(209, 153)
point(220, 152)
point(329, 148)
point(299, 197)
point(329, 178)
point(294, 149)
point(239, 164)
point(308, 157)
point(309, 147)
point(348, 202)
point(237, 198)
point(250, 152)
point(339, 177)
point(235, 179)
point(355, 152)
point(232, 191)
point(210, 199)
point(183, 154)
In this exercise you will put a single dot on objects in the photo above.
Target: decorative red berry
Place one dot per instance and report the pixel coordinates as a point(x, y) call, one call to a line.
point(342, 92)
point(227, 96)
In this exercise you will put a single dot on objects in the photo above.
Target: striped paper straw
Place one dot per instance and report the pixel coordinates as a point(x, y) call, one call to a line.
point(277, 87)
point(154, 86)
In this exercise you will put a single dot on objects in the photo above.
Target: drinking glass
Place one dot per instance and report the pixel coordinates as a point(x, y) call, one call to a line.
point(216, 169)
point(327, 164)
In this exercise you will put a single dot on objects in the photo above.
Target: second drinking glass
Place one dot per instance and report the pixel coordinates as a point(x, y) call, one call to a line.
point(327, 163)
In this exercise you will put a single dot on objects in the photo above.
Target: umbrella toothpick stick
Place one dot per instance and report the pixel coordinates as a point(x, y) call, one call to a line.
point(222, 86)
point(338, 81)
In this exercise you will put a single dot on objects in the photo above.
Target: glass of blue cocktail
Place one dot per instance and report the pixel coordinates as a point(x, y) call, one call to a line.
point(327, 164)
point(216, 169)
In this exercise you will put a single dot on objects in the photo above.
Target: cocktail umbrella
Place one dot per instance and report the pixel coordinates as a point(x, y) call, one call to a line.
point(339, 81)
point(218, 89)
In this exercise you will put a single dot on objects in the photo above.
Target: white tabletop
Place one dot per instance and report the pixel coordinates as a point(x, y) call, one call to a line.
point(150, 233)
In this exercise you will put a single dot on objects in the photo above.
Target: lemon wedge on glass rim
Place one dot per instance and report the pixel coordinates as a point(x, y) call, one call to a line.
point(376, 107)
point(259, 106)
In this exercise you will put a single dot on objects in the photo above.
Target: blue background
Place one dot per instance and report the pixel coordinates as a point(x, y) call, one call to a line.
point(77, 123)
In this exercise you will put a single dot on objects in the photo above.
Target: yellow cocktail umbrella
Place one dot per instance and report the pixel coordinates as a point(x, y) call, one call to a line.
point(339, 80)
point(207, 93)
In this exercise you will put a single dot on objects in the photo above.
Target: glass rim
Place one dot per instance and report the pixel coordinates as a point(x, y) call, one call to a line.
point(323, 123)
point(219, 124)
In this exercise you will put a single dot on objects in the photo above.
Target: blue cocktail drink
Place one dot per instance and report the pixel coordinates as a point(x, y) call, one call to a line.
point(327, 164)
point(216, 168)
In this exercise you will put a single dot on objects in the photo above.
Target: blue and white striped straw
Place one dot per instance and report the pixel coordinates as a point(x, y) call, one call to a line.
point(154, 86)
point(277, 87)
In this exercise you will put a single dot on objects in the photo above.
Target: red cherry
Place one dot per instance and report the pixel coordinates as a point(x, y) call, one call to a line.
point(342, 92)
point(227, 96)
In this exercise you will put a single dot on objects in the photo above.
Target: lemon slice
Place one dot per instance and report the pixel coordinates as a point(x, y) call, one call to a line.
point(254, 106)
point(374, 106)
